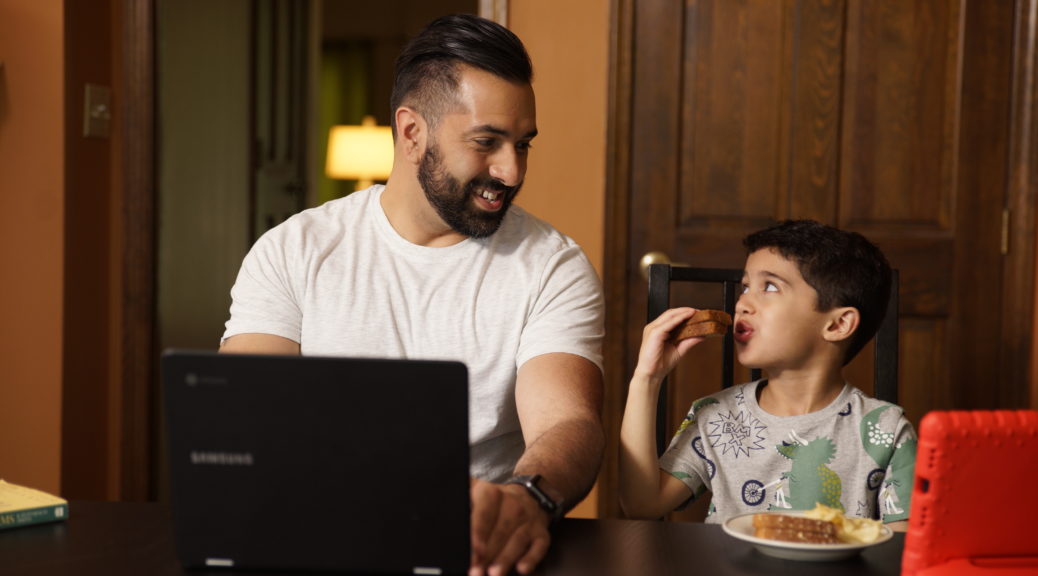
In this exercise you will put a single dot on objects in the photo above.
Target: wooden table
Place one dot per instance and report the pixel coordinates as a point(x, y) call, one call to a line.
point(111, 539)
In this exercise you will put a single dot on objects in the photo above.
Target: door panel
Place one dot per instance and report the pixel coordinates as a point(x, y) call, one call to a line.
point(855, 113)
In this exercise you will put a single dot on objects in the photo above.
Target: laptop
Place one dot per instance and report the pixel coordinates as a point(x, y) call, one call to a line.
point(973, 505)
point(313, 463)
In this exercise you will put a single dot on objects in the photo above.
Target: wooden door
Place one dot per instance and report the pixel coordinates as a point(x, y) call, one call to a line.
point(888, 117)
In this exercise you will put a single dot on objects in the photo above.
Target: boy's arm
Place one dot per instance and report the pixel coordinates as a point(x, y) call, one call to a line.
point(645, 490)
point(899, 526)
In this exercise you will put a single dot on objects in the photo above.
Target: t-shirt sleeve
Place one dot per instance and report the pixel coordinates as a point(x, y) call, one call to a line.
point(896, 492)
point(264, 298)
point(685, 458)
point(568, 313)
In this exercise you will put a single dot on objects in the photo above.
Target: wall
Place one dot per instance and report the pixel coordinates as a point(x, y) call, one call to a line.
point(31, 240)
point(565, 183)
point(569, 45)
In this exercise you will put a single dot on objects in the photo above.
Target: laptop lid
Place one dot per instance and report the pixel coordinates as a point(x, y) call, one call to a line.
point(299, 463)
point(973, 503)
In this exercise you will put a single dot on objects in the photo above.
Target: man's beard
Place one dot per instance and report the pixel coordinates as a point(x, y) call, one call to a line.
point(455, 203)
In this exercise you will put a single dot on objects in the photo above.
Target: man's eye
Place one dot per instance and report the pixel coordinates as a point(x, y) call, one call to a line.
point(524, 146)
point(485, 142)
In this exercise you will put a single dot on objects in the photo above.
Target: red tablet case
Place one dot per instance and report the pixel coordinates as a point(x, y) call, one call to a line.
point(975, 498)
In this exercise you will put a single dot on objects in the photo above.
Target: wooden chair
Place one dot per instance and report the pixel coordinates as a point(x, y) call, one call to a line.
point(730, 282)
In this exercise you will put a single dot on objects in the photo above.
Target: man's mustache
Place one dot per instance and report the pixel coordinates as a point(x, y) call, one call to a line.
point(494, 185)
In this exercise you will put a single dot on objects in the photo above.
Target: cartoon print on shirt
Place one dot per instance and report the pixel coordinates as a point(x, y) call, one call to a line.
point(809, 478)
point(736, 433)
point(888, 498)
point(878, 443)
point(896, 463)
point(697, 447)
point(690, 418)
point(779, 484)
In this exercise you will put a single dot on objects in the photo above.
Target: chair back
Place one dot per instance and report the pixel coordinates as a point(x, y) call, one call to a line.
point(729, 281)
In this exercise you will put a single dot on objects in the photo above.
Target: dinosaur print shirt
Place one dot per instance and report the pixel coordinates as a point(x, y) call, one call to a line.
point(857, 455)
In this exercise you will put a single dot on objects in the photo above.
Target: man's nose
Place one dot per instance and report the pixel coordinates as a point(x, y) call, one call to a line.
point(508, 167)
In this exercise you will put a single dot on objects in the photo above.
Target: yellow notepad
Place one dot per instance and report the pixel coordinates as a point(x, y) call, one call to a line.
point(21, 506)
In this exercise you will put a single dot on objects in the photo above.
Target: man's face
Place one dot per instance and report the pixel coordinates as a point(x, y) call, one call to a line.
point(475, 161)
point(463, 205)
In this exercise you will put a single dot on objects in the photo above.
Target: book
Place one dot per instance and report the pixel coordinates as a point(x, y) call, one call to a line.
point(22, 506)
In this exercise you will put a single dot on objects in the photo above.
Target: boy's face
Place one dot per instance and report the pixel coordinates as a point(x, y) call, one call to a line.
point(777, 324)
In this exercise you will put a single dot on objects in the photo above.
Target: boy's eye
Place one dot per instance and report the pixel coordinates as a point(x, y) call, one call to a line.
point(745, 288)
point(770, 287)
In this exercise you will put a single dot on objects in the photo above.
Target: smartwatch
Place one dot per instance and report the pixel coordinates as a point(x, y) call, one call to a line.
point(529, 481)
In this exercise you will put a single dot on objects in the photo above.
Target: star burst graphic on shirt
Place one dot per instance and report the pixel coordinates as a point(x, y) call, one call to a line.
point(738, 433)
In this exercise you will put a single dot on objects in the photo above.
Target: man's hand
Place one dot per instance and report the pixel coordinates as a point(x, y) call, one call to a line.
point(509, 529)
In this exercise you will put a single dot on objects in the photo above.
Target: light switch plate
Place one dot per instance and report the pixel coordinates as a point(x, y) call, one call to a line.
point(97, 111)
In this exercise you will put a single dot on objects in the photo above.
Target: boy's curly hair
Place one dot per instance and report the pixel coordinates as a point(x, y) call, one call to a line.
point(842, 266)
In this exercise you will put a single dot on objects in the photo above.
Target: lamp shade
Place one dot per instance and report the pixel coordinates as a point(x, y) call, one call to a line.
point(363, 152)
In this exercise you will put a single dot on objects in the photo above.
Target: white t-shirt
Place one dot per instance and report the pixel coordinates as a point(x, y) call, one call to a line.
point(340, 281)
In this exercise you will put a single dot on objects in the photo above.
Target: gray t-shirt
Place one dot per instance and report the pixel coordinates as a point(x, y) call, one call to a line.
point(857, 454)
point(340, 281)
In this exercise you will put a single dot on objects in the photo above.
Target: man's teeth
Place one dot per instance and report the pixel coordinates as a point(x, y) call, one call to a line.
point(491, 196)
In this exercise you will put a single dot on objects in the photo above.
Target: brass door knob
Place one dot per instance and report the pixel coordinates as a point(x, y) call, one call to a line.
point(650, 258)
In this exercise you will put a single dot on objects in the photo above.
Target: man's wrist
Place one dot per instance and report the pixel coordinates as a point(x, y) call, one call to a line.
point(533, 483)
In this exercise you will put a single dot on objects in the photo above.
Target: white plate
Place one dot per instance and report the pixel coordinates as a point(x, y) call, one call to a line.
point(741, 527)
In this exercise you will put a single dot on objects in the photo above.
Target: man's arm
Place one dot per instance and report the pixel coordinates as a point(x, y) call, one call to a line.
point(259, 344)
point(559, 398)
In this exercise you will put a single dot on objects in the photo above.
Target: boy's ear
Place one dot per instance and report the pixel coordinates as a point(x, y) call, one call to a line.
point(842, 324)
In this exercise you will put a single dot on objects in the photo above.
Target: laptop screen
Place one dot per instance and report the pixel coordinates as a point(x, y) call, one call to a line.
point(345, 464)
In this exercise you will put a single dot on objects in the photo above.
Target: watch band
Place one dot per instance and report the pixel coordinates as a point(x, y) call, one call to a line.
point(529, 481)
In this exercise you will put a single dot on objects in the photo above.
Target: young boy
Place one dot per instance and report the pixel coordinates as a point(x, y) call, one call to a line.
point(812, 296)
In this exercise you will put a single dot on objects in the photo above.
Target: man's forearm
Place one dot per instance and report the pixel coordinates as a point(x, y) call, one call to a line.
point(567, 456)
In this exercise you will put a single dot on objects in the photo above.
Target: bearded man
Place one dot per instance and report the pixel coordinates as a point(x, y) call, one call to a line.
point(438, 264)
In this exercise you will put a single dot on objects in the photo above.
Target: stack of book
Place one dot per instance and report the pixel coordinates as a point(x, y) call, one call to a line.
point(21, 506)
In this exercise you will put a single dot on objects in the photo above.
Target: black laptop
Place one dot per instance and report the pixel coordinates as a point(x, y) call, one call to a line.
point(312, 463)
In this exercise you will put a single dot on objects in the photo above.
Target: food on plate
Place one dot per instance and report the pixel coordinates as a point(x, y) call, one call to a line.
point(821, 525)
point(848, 529)
point(791, 528)
point(704, 323)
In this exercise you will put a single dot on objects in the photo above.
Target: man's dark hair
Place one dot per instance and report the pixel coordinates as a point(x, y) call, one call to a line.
point(843, 267)
point(427, 71)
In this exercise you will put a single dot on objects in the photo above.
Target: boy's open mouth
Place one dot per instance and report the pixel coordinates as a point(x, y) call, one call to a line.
point(742, 332)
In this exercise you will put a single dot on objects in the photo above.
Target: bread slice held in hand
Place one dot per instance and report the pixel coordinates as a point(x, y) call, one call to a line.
point(702, 324)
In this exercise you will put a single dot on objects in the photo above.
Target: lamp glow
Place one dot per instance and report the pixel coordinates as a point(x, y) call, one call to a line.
point(363, 153)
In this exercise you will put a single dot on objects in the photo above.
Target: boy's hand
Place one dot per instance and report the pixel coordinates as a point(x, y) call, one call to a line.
point(659, 352)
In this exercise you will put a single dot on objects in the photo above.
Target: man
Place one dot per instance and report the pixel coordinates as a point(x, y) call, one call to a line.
point(437, 264)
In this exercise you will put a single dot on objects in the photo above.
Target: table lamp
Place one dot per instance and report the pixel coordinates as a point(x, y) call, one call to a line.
point(363, 153)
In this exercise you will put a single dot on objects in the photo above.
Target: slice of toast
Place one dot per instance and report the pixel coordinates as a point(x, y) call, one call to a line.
point(704, 323)
point(794, 529)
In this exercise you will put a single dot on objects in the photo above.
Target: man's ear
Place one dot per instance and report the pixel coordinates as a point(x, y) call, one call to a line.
point(842, 324)
point(411, 132)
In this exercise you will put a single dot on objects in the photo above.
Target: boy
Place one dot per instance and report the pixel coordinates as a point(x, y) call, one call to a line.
point(812, 297)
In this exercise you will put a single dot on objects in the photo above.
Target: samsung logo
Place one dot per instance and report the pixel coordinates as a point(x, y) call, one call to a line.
point(222, 458)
